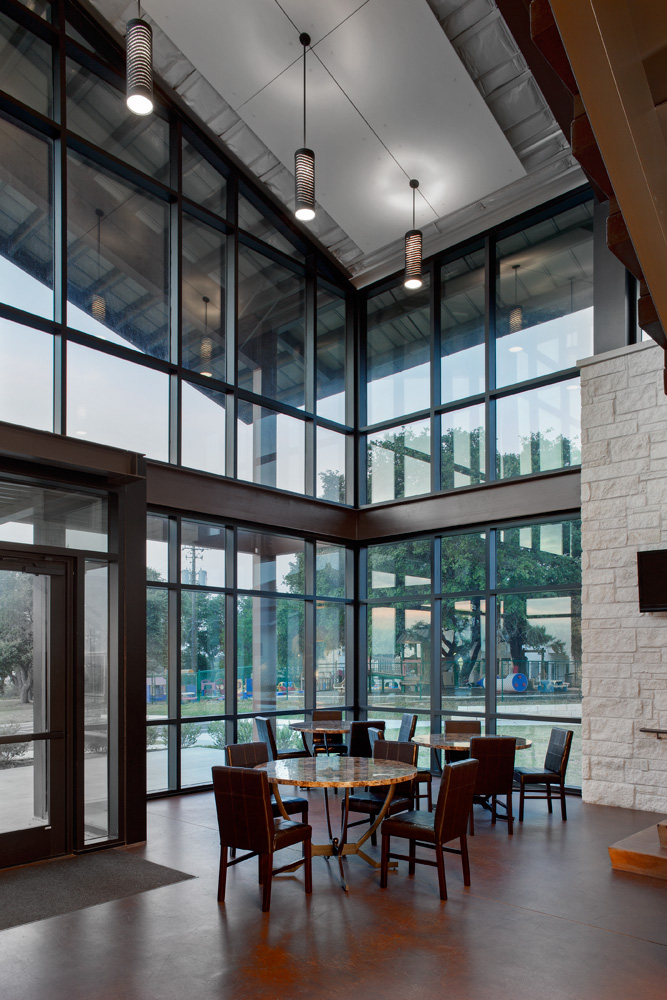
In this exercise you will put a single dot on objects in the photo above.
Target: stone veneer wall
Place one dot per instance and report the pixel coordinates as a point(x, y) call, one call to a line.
point(623, 510)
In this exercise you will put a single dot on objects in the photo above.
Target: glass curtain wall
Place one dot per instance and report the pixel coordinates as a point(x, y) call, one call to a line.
point(186, 319)
point(479, 624)
point(240, 622)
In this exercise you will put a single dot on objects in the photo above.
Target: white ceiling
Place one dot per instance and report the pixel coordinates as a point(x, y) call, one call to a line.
point(388, 99)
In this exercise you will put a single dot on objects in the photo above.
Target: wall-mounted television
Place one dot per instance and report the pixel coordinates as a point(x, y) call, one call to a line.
point(652, 576)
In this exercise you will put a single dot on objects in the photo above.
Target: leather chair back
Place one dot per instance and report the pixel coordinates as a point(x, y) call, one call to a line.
point(324, 715)
point(243, 804)
point(360, 745)
point(558, 751)
point(408, 726)
point(246, 754)
point(404, 753)
point(266, 735)
point(463, 727)
point(495, 755)
point(452, 810)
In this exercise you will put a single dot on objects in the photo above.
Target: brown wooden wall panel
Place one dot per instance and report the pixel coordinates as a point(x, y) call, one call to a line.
point(112, 464)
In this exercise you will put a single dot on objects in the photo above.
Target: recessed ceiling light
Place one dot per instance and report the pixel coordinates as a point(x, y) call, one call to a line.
point(515, 349)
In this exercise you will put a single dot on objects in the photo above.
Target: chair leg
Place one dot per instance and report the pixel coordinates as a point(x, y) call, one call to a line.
point(374, 836)
point(472, 820)
point(465, 861)
point(260, 868)
point(493, 810)
point(412, 855)
point(384, 861)
point(222, 876)
point(268, 879)
point(510, 818)
point(549, 797)
point(429, 785)
point(440, 862)
point(522, 789)
point(563, 810)
point(308, 855)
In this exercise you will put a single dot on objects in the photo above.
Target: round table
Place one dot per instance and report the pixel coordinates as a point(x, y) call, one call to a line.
point(339, 772)
point(325, 727)
point(440, 741)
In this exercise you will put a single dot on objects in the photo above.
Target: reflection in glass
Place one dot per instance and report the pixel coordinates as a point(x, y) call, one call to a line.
point(539, 430)
point(98, 112)
point(26, 376)
point(544, 297)
point(399, 462)
point(157, 547)
point(202, 652)
point(26, 222)
point(270, 562)
point(463, 653)
point(539, 555)
point(116, 402)
point(203, 298)
point(202, 554)
point(99, 673)
point(34, 515)
point(330, 654)
point(24, 769)
point(258, 226)
point(271, 329)
point(398, 353)
point(203, 428)
point(270, 633)
point(270, 448)
point(463, 452)
point(157, 759)
point(464, 562)
point(117, 260)
point(399, 655)
point(330, 362)
point(201, 181)
point(198, 753)
point(330, 569)
point(397, 568)
point(462, 320)
point(24, 657)
point(25, 66)
point(157, 652)
point(331, 483)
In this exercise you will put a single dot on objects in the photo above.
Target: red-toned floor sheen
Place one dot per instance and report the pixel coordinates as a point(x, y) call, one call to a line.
point(544, 919)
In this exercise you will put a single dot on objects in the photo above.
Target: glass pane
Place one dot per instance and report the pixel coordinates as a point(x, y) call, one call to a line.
point(330, 356)
point(99, 674)
point(544, 297)
point(399, 462)
point(40, 7)
point(539, 430)
point(25, 66)
point(330, 569)
point(331, 482)
point(116, 402)
point(26, 376)
point(117, 260)
point(270, 636)
point(24, 657)
point(32, 515)
point(539, 733)
point(202, 182)
point(539, 555)
point(463, 449)
point(202, 653)
point(464, 562)
point(98, 112)
point(271, 448)
point(198, 754)
point(463, 654)
point(157, 758)
point(271, 329)
point(203, 299)
point(270, 562)
point(330, 654)
point(157, 652)
point(24, 786)
point(254, 223)
point(399, 655)
point(399, 568)
point(157, 548)
point(398, 353)
point(203, 428)
point(202, 554)
point(538, 646)
point(462, 319)
point(26, 222)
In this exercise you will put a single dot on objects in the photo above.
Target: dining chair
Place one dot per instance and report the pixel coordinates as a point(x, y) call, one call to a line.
point(359, 744)
point(266, 735)
point(408, 726)
point(460, 727)
point(373, 736)
point(553, 772)
point(434, 830)
point(370, 802)
point(251, 754)
point(495, 774)
point(328, 742)
point(245, 821)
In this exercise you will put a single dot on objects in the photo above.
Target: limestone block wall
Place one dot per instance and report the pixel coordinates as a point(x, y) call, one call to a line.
point(623, 510)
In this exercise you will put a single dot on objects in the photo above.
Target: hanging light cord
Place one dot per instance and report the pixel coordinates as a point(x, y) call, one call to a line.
point(305, 46)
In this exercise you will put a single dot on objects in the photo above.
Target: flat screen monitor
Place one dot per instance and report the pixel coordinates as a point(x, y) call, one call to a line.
point(652, 574)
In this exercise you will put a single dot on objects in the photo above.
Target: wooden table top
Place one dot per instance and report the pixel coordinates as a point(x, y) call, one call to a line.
point(336, 772)
point(439, 741)
point(325, 726)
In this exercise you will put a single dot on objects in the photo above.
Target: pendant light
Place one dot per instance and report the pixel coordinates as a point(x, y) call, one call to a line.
point(413, 249)
point(206, 347)
point(98, 306)
point(304, 161)
point(516, 314)
point(139, 64)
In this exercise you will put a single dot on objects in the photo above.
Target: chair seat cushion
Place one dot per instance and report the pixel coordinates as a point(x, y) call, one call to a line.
point(287, 833)
point(290, 754)
point(415, 825)
point(366, 802)
point(339, 748)
point(292, 804)
point(535, 775)
point(424, 776)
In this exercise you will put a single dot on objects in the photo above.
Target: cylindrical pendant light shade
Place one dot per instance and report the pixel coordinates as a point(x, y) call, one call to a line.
point(139, 56)
point(413, 259)
point(304, 173)
point(516, 320)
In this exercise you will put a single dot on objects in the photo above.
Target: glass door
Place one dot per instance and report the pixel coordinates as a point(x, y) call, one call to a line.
point(33, 684)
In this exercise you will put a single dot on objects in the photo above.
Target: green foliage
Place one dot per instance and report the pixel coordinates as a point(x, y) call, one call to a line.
point(402, 457)
point(217, 732)
point(16, 632)
point(190, 733)
point(11, 753)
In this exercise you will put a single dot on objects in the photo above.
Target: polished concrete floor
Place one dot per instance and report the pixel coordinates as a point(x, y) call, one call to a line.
point(544, 919)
